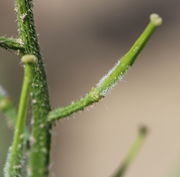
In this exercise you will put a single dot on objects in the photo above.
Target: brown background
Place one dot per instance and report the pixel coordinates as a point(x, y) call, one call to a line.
point(81, 40)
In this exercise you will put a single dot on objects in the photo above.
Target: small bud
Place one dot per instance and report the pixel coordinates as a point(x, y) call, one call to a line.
point(156, 19)
point(4, 103)
point(143, 130)
point(29, 59)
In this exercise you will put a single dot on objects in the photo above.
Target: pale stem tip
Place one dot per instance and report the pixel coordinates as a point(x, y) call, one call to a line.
point(156, 19)
point(28, 59)
point(143, 129)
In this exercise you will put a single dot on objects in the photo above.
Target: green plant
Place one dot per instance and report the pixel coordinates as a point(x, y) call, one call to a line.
point(37, 140)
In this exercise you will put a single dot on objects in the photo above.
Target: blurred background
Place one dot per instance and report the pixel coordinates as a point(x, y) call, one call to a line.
point(80, 41)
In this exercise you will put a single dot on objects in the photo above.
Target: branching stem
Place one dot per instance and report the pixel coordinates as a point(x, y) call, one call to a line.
point(114, 75)
point(35, 84)
point(11, 43)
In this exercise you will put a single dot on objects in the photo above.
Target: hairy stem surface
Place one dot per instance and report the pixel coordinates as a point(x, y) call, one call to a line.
point(35, 84)
point(114, 75)
point(40, 136)
point(11, 43)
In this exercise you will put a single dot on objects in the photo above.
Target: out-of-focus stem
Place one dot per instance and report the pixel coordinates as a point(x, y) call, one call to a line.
point(132, 153)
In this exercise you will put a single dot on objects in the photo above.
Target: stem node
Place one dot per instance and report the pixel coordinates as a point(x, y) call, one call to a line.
point(26, 59)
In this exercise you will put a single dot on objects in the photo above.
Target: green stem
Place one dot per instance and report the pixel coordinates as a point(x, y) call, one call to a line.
point(133, 151)
point(15, 156)
point(11, 43)
point(114, 75)
point(40, 135)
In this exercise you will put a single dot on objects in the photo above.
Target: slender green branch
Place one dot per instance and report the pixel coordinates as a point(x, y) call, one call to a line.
point(11, 43)
point(133, 151)
point(15, 157)
point(7, 107)
point(40, 135)
point(114, 75)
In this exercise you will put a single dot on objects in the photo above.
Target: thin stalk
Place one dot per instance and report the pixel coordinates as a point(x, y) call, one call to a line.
point(15, 157)
point(114, 75)
point(11, 43)
point(40, 135)
point(132, 153)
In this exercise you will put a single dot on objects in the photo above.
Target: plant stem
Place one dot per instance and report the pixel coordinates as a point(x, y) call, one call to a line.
point(133, 151)
point(40, 136)
point(11, 43)
point(114, 75)
point(14, 162)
